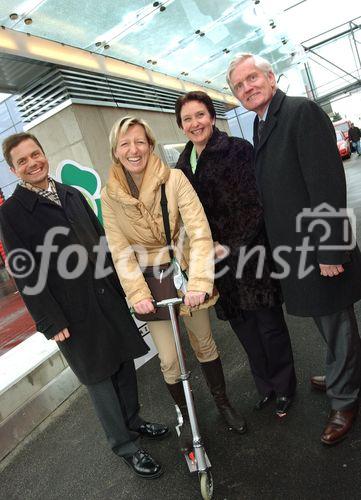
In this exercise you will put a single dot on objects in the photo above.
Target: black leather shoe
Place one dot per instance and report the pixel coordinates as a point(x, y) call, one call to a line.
point(153, 430)
point(283, 404)
point(143, 465)
point(185, 436)
point(264, 401)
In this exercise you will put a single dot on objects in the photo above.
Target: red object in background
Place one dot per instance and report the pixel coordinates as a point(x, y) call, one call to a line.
point(343, 145)
point(16, 324)
point(2, 251)
point(343, 126)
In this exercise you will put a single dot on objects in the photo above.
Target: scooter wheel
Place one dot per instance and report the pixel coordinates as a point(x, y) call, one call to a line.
point(206, 485)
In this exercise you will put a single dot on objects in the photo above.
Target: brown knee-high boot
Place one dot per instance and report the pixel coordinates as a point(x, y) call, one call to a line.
point(185, 438)
point(213, 373)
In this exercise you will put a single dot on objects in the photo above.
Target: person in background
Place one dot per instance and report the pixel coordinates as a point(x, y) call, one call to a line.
point(301, 182)
point(135, 229)
point(220, 168)
point(354, 135)
point(87, 316)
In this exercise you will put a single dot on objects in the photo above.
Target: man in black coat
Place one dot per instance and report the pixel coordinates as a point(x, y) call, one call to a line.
point(354, 135)
point(302, 186)
point(57, 255)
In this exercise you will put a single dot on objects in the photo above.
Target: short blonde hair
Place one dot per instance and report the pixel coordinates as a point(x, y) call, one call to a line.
point(121, 127)
point(260, 63)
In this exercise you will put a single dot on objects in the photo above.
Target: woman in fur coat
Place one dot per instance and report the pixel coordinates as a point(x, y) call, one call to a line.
point(220, 168)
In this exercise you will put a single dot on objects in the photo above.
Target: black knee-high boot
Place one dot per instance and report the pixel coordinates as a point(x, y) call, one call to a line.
point(213, 373)
point(185, 438)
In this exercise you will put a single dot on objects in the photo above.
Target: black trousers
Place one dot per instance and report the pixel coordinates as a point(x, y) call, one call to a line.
point(115, 400)
point(265, 338)
point(343, 358)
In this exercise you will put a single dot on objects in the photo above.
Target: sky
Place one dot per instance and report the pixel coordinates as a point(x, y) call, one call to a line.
point(304, 19)
point(4, 96)
point(350, 108)
point(313, 17)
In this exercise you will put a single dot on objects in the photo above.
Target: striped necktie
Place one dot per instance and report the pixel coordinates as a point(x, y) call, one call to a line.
point(261, 125)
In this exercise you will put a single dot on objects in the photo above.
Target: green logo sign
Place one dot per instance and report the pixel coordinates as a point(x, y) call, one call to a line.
point(85, 179)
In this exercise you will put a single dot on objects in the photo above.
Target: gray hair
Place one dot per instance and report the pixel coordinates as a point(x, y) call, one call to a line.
point(260, 63)
point(121, 127)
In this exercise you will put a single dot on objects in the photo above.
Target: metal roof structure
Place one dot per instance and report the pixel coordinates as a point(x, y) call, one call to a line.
point(144, 54)
point(191, 40)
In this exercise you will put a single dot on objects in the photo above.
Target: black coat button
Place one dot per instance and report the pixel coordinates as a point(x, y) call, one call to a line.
point(101, 291)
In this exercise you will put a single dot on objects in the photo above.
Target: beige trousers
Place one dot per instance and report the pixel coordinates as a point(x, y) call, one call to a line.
point(200, 336)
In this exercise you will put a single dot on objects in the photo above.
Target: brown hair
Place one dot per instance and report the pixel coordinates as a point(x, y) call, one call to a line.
point(195, 95)
point(14, 140)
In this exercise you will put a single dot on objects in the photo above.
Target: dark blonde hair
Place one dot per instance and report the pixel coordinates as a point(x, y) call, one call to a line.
point(121, 127)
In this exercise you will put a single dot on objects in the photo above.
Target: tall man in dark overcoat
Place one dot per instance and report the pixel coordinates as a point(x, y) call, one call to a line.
point(57, 254)
point(302, 187)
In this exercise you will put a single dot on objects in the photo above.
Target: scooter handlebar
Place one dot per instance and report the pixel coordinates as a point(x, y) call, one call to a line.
point(167, 302)
point(173, 301)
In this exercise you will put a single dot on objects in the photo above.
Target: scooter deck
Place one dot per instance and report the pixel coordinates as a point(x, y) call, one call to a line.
point(192, 464)
point(190, 457)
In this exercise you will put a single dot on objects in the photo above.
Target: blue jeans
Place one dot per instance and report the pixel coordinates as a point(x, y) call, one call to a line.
point(357, 146)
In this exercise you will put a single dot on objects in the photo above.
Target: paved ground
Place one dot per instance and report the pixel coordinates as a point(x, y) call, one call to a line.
point(67, 458)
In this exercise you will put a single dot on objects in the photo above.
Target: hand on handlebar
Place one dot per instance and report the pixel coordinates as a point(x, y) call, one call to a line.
point(144, 306)
point(193, 299)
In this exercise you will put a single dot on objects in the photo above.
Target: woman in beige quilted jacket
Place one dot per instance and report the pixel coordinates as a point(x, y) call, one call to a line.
point(134, 227)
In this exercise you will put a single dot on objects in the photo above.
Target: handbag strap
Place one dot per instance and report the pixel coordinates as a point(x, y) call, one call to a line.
point(164, 206)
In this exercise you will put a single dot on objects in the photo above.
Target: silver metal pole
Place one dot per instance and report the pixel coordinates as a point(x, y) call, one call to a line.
point(197, 442)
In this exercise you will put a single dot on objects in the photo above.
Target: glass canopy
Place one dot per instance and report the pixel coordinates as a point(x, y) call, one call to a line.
point(189, 39)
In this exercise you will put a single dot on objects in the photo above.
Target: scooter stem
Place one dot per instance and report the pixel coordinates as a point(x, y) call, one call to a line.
point(197, 442)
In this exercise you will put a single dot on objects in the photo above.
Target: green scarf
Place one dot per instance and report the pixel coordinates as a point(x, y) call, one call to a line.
point(193, 160)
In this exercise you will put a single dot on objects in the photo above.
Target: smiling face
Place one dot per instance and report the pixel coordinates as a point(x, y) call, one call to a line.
point(197, 123)
point(30, 163)
point(253, 87)
point(133, 150)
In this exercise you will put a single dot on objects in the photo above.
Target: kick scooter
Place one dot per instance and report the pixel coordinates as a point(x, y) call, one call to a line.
point(197, 460)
